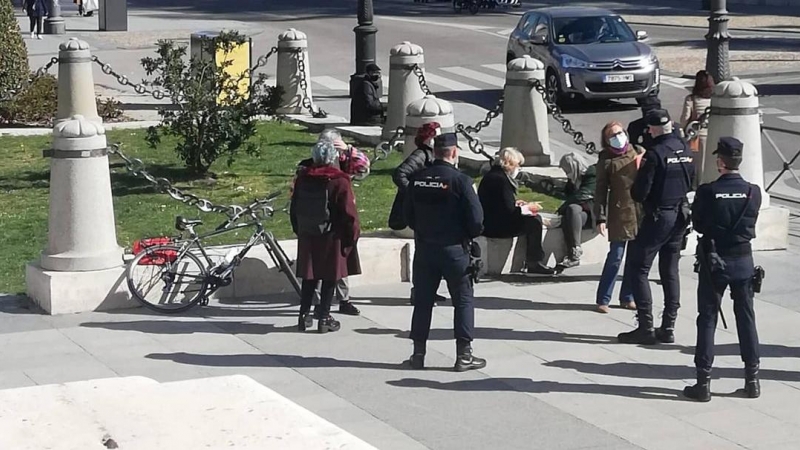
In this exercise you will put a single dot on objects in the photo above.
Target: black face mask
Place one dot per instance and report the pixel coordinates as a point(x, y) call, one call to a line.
point(374, 76)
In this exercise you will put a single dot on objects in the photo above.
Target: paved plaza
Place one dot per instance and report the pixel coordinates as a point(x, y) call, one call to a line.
point(556, 377)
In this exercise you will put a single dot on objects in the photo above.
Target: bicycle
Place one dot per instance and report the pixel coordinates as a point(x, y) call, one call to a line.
point(179, 263)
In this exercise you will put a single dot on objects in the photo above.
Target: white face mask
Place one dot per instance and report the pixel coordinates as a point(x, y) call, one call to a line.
point(514, 173)
point(619, 141)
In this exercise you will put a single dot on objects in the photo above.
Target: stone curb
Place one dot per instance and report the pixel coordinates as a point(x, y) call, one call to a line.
point(42, 131)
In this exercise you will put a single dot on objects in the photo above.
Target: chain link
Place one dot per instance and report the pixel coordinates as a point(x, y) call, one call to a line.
point(139, 88)
point(475, 144)
point(263, 59)
point(693, 128)
point(301, 66)
point(490, 115)
point(136, 168)
point(384, 149)
point(421, 77)
point(14, 91)
point(554, 110)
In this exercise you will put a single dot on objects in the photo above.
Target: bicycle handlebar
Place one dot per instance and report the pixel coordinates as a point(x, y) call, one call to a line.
point(250, 209)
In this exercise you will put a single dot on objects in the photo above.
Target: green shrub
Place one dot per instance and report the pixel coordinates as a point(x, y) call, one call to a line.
point(211, 116)
point(37, 104)
point(13, 53)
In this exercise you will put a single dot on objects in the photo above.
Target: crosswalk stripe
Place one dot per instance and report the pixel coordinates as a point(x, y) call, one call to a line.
point(331, 83)
point(792, 119)
point(496, 67)
point(453, 85)
point(475, 75)
point(505, 32)
point(773, 111)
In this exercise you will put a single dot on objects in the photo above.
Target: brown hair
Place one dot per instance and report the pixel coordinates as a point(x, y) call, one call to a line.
point(703, 84)
point(605, 134)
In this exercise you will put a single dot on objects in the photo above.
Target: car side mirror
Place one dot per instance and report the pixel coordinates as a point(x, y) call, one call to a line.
point(641, 35)
point(539, 39)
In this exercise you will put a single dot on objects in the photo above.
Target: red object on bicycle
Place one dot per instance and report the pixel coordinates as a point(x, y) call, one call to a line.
point(160, 257)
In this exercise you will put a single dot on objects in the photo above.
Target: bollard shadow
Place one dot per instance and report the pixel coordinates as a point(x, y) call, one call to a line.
point(486, 99)
point(578, 107)
point(500, 334)
point(778, 89)
point(26, 180)
point(664, 371)
point(541, 387)
point(268, 360)
point(753, 44)
point(522, 279)
point(487, 303)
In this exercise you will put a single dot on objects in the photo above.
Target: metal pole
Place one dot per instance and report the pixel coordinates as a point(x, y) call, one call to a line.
point(365, 42)
point(54, 24)
point(718, 57)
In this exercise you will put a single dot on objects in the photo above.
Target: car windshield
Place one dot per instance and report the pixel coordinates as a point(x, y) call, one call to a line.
point(591, 30)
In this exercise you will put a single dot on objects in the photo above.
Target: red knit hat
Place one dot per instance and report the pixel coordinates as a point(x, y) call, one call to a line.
point(427, 132)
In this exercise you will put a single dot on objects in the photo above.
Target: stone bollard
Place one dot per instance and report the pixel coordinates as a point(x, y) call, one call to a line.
point(404, 85)
point(82, 267)
point(292, 45)
point(734, 112)
point(425, 110)
point(525, 113)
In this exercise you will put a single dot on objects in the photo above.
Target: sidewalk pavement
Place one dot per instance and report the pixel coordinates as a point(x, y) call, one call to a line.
point(556, 377)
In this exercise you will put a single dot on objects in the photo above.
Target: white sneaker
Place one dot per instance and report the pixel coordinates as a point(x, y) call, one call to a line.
point(33, 35)
point(39, 36)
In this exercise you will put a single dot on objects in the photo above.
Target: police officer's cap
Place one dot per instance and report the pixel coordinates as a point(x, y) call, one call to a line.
point(730, 147)
point(445, 140)
point(658, 118)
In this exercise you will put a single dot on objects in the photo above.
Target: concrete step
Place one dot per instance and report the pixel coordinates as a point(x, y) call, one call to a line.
point(139, 413)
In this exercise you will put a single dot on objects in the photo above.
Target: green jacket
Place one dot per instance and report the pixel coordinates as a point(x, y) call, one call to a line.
point(583, 196)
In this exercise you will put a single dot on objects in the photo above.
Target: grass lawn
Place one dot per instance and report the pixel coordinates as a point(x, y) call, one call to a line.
point(141, 211)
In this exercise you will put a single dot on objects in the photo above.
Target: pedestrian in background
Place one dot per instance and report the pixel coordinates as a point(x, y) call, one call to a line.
point(661, 187)
point(577, 211)
point(638, 130)
point(694, 105)
point(36, 11)
point(505, 217)
point(725, 212)
point(325, 219)
point(442, 208)
point(617, 214)
point(416, 161)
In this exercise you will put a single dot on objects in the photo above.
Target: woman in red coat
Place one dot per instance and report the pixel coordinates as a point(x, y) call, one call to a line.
point(325, 220)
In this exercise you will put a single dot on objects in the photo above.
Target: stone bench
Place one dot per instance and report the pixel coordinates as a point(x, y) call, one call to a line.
point(508, 255)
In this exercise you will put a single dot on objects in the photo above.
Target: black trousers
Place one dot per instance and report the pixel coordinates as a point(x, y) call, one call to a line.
point(661, 234)
point(737, 275)
point(532, 230)
point(36, 24)
point(431, 264)
point(307, 289)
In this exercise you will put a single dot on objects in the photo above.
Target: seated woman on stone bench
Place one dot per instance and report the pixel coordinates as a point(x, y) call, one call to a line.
point(577, 211)
point(504, 216)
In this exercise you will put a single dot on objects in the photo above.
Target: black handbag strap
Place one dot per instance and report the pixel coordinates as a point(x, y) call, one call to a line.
point(744, 210)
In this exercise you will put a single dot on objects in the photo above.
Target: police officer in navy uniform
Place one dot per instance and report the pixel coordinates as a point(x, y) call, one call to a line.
point(661, 185)
point(725, 213)
point(442, 208)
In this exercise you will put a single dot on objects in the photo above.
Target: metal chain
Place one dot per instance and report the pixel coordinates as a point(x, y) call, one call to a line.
point(421, 77)
point(693, 128)
point(384, 149)
point(301, 66)
point(263, 59)
point(11, 93)
point(475, 144)
point(490, 115)
point(566, 125)
point(140, 88)
point(136, 168)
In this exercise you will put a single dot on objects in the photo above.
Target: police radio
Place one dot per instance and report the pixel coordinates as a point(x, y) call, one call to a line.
point(475, 261)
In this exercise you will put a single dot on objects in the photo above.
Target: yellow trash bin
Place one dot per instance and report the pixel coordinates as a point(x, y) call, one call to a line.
point(240, 58)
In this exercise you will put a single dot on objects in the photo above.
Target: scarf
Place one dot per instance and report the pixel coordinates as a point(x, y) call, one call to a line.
point(574, 166)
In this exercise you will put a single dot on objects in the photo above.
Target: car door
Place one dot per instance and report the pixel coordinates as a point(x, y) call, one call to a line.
point(522, 35)
point(540, 39)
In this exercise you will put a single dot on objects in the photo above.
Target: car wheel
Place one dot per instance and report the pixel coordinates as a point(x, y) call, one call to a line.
point(553, 88)
point(474, 7)
point(510, 57)
point(457, 6)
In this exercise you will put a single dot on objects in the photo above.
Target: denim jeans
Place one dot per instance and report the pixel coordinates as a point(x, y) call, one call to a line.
point(609, 276)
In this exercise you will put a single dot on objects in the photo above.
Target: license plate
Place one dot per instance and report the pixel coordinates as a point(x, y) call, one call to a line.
point(617, 78)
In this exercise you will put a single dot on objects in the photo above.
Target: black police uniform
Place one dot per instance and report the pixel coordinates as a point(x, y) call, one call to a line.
point(661, 185)
point(725, 212)
point(443, 210)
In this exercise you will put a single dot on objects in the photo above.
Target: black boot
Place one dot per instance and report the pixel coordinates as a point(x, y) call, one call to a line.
point(752, 387)
point(345, 307)
point(464, 358)
point(701, 391)
point(666, 332)
point(305, 321)
point(328, 324)
point(643, 334)
point(417, 359)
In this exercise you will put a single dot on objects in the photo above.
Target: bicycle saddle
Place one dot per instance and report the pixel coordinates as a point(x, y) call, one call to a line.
point(181, 223)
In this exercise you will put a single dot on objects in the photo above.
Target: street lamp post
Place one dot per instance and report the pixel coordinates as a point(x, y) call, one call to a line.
point(718, 57)
point(365, 41)
point(54, 24)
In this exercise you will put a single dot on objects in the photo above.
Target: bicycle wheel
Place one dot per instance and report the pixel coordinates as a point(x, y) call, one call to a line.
point(474, 7)
point(166, 283)
point(282, 261)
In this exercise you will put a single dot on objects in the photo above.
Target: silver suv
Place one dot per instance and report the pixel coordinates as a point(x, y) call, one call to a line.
point(588, 53)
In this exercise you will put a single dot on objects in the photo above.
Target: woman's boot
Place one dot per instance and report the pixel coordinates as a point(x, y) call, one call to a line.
point(328, 324)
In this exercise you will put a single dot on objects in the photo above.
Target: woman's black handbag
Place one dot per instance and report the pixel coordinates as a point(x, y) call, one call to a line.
point(396, 220)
